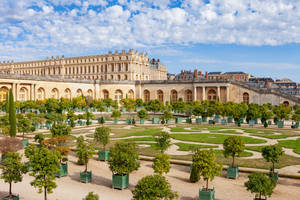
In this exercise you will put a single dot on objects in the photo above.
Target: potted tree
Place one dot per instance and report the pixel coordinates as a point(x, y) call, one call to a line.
point(163, 141)
point(167, 116)
point(116, 114)
point(197, 111)
point(233, 146)
point(12, 171)
point(281, 112)
point(154, 187)
point(43, 163)
point(123, 160)
point(207, 166)
point(252, 114)
point(272, 154)
point(142, 114)
point(84, 152)
point(261, 185)
point(71, 118)
point(101, 135)
point(161, 163)
point(24, 126)
point(91, 196)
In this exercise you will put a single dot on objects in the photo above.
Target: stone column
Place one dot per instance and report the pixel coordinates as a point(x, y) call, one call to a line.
point(203, 93)
point(219, 93)
point(227, 93)
point(14, 90)
point(195, 93)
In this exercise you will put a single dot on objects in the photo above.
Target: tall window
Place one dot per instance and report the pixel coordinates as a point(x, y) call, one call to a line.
point(54, 93)
point(130, 94)
point(174, 95)
point(212, 95)
point(105, 94)
point(188, 95)
point(146, 95)
point(41, 94)
point(246, 98)
point(160, 95)
point(3, 92)
point(118, 95)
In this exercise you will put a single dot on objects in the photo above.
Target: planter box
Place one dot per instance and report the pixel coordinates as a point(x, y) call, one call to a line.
point(198, 120)
point(142, 121)
point(296, 125)
point(269, 122)
point(280, 124)
point(168, 121)
point(251, 122)
point(108, 110)
point(188, 120)
point(210, 121)
point(206, 195)
point(204, 119)
point(223, 121)
point(275, 176)
point(63, 170)
point(256, 121)
point(178, 120)
point(103, 155)
point(115, 121)
point(11, 198)
point(123, 109)
point(128, 121)
point(120, 181)
point(99, 120)
point(155, 120)
point(86, 177)
point(217, 118)
point(232, 172)
point(25, 143)
point(229, 119)
point(36, 127)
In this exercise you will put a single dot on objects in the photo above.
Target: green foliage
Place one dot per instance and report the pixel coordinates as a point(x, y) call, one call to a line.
point(102, 135)
point(163, 141)
point(142, 114)
point(205, 163)
point(13, 169)
point(52, 105)
point(253, 111)
point(260, 184)
point(128, 104)
point(281, 111)
point(154, 105)
point(116, 114)
point(272, 154)
point(108, 102)
point(24, 124)
point(139, 102)
point(233, 146)
point(161, 163)
point(154, 187)
point(91, 196)
point(12, 115)
point(84, 151)
point(44, 165)
point(72, 117)
point(60, 129)
point(194, 175)
point(266, 113)
point(89, 116)
point(178, 106)
point(123, 158)
point(239, 111)
point(167, 115)
point(39, 138)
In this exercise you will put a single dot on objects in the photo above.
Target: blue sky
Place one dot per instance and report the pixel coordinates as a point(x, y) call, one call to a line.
point(261, 37)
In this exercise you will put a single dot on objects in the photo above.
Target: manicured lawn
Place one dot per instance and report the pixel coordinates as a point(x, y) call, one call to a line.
point(271, 136)
point(229, 131)
point(139, 139)
point(181, 129)
point(291, 144)
point(213, 138)
point(189, 147)
point(255, 148)
point(140, 132)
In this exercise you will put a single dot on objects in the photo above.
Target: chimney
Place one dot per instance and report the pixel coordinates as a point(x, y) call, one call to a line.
point(183, 75)
point(158, 60)
point(206, 75)
point(196, 74)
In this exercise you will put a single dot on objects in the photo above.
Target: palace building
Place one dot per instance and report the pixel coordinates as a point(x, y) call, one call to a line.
point(128, 75)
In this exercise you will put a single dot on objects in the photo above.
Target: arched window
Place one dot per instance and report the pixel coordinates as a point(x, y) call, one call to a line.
point(246, 98)
point(79, 93)
point(212, 95)
point(118, 95)
point(90, 93)
point(130, 94)
point(41, 94)
point(174, 95)
point(160, 95)
point(105, 94)
point(119, 77)
point(3, 92)
point(23, 94)
point(286, 103)
point(119, 67)
point(146, 95)
point(112, 68)
point(67, 94)
point(54, 93)
point(188, 96)
point(125, 77)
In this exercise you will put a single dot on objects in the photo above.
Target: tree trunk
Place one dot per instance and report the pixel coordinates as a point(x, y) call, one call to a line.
point(207, 185)
point(273, 168)
point(85, 166)
point(45, 193)
point(23, 136)
point(232, 161)
point(260, 196)
point(10, 189)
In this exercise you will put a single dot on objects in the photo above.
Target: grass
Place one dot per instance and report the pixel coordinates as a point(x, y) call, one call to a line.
point(139, 139)
point(213, 138)
point(255, 148)
point(190, 147)
point(271, 136)
point(181, 129)
point(229, 131)
point(291, 144)
point(144, 132)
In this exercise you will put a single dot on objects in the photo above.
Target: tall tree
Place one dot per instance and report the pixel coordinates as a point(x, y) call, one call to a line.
point(163, 141)
point(12, 115)
point(233, 146)
point(272, 154)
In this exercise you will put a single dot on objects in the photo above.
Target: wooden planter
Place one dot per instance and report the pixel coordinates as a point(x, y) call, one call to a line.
point(188, 120)
point(178, 120)
point(206, 195)
point(232, 172)
point(11, 198)
point(223, 121)
point(210, 121)
point(251, 122)
point(142, 121)
point(25, 143)
point(115, 121)
point(280, 124)
point(86, 177)
point(128, 121)
point(204, 119)
point(155, 120)
point(229, 119)
point(103, 155)
point(198, 120)
point(120, 181)
point(274, 176)
point(63, 170)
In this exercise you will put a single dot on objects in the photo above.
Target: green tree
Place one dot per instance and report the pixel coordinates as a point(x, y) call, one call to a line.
point(116, 114)
point(123, 158)
point(153, 187)
point(60, 129)
point(101, 135)
point(39, 138)
point(163, 141)
point(89, 116)
point(253, 111)
point(205, 163)
point(272, 154)
point(24, 125)
point(44, 165)
point(142, 114)
point(12, 170)
point(266, 113)
point(12, 115)
point(233, 146)
point(161, 163)
point(281, 111)
point(79, 145)
point(260, 184)
point(167, 115)
point(91, 196)
point(84, 152)
point(72, 117)
point(198, 110)
point(52, 105)
point(154, 105)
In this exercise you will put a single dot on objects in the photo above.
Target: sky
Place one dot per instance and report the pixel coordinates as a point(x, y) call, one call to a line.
point(260, 37)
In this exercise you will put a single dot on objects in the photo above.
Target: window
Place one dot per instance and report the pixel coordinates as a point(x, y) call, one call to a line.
point(174, 95)
point(160, 95)
point(212, 95)
point(246, 98)
point(188, 96)
point(105, 94)
point(146, 95)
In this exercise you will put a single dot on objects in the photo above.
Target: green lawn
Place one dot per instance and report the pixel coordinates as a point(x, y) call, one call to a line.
point(229, 131)
point(271, 136)
point(181, 129)
point(136, 132)
point(291, 144)
point(213, 138)
point(139, 139)
point(255, 148)
point(189, 147)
